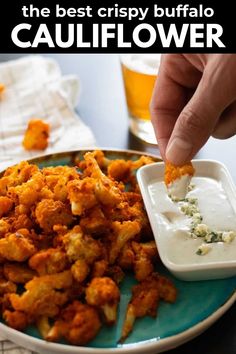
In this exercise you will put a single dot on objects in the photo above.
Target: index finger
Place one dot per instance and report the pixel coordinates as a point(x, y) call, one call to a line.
point(176, 78)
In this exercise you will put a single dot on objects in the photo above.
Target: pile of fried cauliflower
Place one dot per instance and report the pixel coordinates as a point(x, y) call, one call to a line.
point(67, 237)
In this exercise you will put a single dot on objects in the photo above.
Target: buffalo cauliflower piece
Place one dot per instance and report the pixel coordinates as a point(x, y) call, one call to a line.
point(87, 168)
point(119, 170)
point(106, 190)
point(16, 175)
point(29, 192)
point(145, 255)
point(121, 234)
point(17, 246)
point(79, 323)
point(16, 319)
point(21, 221)
point(99, 268)
point(43, 295)
point(49, 261)
point(127, 257)
point(81, 194)
point(94, 222)
point(57, 179)
point(145, 299)
point(49, 213)
point(80, 270)
point(177, 179)
point(81, 246)
point(173, 172)
point(36, 135)
point(142, 161)
point(103, 293)
point(167, 290)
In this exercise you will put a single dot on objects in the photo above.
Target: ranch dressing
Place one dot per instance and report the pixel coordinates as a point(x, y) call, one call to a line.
point(175, 227)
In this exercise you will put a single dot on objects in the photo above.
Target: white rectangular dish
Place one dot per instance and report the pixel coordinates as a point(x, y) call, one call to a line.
point(216, 197)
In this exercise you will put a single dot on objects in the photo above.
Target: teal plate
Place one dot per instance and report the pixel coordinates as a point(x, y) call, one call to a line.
point(199, 304)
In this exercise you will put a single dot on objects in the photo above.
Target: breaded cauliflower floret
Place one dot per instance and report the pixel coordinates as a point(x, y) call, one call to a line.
point(36, 135)
point(5, 205)
point(177, 180)
point(81, 194)
point(87, 168)
point(94, 222)
point(122, 233)
point(57, 179)
point(103, 293)
point(145, 256)
point(142, 161)
point(81, 246)
point(145, 300)
point(126, 212)
point(43, 295)
point(127, 257)
point(119, 170)
point(79, 323)
point(16, 319)
point(17, 247)
point(18, 273)
point(16, 175)
point(99, 268)
point(21, 221)
point(106, 190)
point(167, 290)
point(29, 192)
point(49, 213)
point(49, 261)
point(173, 172)
point(80, 270)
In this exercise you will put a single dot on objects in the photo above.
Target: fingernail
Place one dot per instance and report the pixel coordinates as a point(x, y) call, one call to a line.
point(178, 151)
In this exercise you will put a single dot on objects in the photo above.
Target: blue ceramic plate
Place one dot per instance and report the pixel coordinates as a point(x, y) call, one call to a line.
point(199, 305)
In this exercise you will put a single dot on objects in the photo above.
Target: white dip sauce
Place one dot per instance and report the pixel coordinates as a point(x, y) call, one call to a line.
point(174, 226)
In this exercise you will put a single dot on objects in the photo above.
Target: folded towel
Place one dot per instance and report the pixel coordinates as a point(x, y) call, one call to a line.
point(35, 88)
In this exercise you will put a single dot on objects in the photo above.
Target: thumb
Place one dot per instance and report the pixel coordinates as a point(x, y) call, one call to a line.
point(199, 117)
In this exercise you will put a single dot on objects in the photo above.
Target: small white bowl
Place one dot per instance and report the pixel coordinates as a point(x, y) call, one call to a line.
point(177, 249)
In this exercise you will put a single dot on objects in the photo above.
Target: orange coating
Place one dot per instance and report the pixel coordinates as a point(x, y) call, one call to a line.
point(2, 88)
point(173, 172)
point(36, 135)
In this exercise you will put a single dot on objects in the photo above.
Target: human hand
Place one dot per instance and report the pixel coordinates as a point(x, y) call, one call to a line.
point(194, 98)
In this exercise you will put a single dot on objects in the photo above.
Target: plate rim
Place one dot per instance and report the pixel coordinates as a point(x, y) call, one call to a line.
point(104, 149)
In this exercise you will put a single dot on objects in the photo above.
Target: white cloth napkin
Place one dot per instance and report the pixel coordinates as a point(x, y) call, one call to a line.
point(35, 88)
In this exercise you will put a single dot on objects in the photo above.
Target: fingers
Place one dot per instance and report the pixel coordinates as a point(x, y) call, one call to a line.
point(226, 126)
point(165, 110)
point(200, 116)
point(171, 92)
